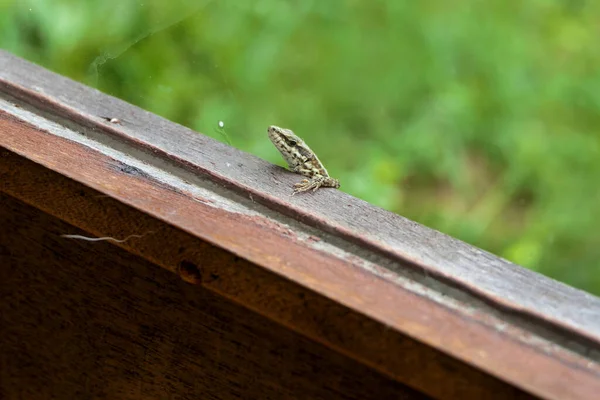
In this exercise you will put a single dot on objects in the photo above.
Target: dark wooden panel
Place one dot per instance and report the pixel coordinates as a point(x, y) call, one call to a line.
point(83, 319)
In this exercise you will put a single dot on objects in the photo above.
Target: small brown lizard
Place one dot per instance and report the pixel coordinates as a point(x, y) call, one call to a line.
point(301, 160)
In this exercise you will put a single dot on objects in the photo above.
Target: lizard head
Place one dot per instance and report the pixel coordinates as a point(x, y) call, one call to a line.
point(283, 136)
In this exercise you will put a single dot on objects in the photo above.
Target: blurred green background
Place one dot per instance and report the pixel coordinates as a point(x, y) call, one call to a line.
point(476, 118)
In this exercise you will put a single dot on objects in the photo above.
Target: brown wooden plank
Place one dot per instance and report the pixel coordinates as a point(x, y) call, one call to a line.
point(280, 299)
point(408, 290)
point(436, 255)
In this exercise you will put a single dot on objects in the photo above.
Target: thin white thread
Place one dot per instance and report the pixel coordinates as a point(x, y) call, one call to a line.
point(100, 239)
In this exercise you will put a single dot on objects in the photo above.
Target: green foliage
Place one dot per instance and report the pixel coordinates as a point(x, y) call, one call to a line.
point(479, 119)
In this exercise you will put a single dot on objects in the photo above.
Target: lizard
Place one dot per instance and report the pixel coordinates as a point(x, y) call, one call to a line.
point(301, 160)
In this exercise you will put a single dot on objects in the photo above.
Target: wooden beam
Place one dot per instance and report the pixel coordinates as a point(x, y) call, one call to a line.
point(414, 306)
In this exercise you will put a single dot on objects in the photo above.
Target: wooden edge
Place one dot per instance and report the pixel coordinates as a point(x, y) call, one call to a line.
point(358, 278)
point(284, 294)
point(431, 253)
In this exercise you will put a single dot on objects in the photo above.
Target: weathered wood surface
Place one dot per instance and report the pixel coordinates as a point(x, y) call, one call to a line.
point(296, 307)
point(408, 302)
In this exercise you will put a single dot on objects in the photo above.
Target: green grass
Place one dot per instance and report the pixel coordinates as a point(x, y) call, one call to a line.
point(479, 119)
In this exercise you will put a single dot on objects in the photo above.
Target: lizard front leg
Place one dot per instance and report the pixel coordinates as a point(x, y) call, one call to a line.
point(306, 184)
point(315, 183)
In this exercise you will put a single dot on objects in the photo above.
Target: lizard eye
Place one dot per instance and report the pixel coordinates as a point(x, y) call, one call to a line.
point(292, 142)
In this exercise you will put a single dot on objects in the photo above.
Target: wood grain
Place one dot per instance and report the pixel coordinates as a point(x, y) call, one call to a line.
point(294, 306)
point(487, 276)
point(406, 302)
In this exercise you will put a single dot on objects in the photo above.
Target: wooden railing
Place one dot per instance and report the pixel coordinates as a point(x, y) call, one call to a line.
point(140, 259)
